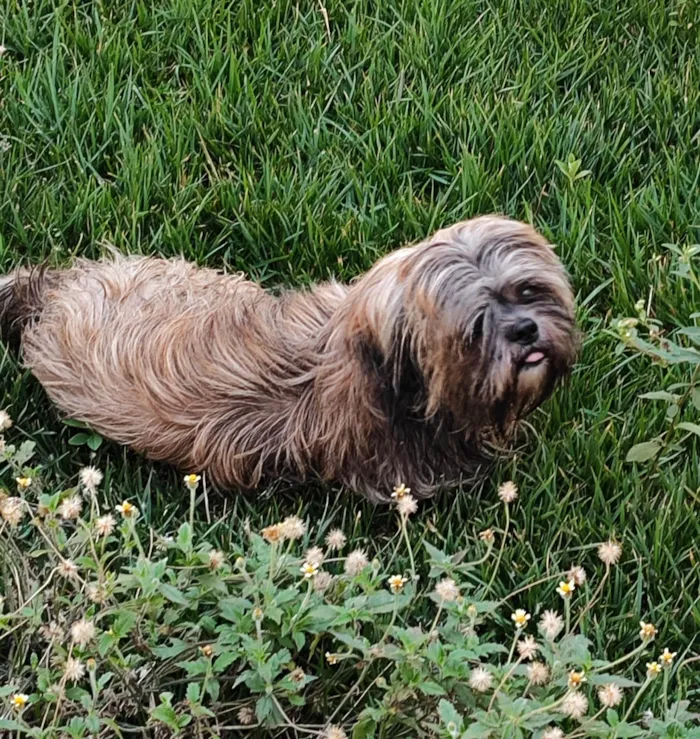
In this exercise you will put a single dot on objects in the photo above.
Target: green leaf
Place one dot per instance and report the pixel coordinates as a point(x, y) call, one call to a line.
point(78, 439)
point(430, 688)
point(449, 716)
point(184, 538)
point(123, 624)
point(364, 729)
point(265, 710)
point(661, 395)
point(224, 660)
point(173, 594)
point(643, 452)
point(166, 715)
point(193, 692)
point(692, 427)
point(695, 397)
point(94, 441)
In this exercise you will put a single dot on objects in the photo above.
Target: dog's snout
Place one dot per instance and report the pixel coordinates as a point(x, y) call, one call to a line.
point(523, 331)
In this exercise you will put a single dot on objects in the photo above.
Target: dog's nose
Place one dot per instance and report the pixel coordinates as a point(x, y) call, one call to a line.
point(523, 331)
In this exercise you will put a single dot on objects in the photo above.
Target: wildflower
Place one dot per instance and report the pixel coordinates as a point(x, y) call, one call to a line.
point(273, 533)
point(575, 704)
point(487, 536)
point(334, 732)
point(356, 562)
point(566, 589)
point(647, 718)
point(73, 670)
point(5, 420)
point(293, 528)
point(666, 658)
point(246, 716)
point(83, 632)
point(609, 552)
point(23, 482)
point(12, 510)
point(576, 574)
point(610, 695)
point(67, 568)
point(528, 647)
point(258, 614)
point(336, 539)
point(553, 732)
point(70, 507)
point(407, 505)
point(128, 510)
point(576, 679)
point(297, 675)
point(52, 632)
point(520, 618)
point(480, 680)
point(396, 583)
point(322, 581)
point(647, 631)
point(551, 624)
point(308, 570)
point(96, 593)
point(331, 658)
point(90, 477)
point(192, 481)
point(19, 701)
point(315, 555)
point(91, 664)
point(400, 491)
point(447, 590)
point(653, 669)
point(537, 673)
point(508, 492)
point(206, 650)
point(216, 559)
point(104, 525)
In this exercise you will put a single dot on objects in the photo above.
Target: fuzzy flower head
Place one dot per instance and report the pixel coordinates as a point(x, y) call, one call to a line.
point(399, 491)
point(551, 625)
point(127, 510)
point(90, 478)
point(508, 492)
point(83, 632)
point(653, 669)
point(272, 533)
point(73, 670)
point(538, 673)
point(553, 732)
point(396, 583)
point(216, 559)
point(609, 553)
point(355, 562)
point(487, 536)
point(336, 540)
point(331, 658)
point(104, 525)
point(406, 505)
point(480, 680)
point(5, 420)
point(610, 695)
point(447, 590)
point(309, 569)
point(322, 581)
point(70, 507)
point(23, 482)
point(520, 617)
point(293, 528)
point(646, 631)
point(576, 574)
point(67, 568)
point(576, 679)
point(575, 704)
point(334, 732)
point(246, 716)
point(18, 701)
point(192, 481)
point(315, 554)
point(666, 657)
point(528, 647)
point(12, 510)
point(566, 588)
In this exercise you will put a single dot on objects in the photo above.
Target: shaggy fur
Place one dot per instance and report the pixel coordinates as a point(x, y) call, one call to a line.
point(402, 376)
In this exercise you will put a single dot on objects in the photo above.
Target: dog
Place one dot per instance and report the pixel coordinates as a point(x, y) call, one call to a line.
point(407, 375)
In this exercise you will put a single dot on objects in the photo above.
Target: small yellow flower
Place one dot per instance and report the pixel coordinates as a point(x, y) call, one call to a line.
point(128, 510)
point(23, 482)
point(653, 669)
point(400, 491)
point(331, 658)
point(192, 481)
point(487, 536)
point(396, 583)
point(258, 614)
point(520, 618)
point(309, 569)
point(647, 631)
point(207, 650)
point(566, 589)
point(666, 658)
point(576, 679)
point(19, 701)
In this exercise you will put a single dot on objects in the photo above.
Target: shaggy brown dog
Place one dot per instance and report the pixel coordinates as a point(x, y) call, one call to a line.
point(401, 377)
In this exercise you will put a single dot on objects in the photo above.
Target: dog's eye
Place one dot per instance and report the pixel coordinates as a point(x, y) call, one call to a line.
point(528, 292)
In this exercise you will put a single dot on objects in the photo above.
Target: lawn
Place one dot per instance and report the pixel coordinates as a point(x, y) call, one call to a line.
point(296, 141)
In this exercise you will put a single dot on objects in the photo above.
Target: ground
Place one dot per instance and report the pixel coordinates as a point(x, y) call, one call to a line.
point(298, 141)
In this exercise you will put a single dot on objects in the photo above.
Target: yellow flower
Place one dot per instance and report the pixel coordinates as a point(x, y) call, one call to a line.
point(192, 481)
point(647, 631)
point(566, 589)
point(653, 669)
point(331, 658)
point(309, 569)
point(128, 510)
point(19, 701)
point(400, 491)
point(666, 658)
point(520, 618)
point(207, 650)
point(23, 482)
point(576, 679)
point(396, 583)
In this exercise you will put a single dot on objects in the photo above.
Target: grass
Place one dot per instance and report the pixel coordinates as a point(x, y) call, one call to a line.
point(296, 142)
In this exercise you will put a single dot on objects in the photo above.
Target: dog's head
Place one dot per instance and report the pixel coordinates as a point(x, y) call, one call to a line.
point(480, 316)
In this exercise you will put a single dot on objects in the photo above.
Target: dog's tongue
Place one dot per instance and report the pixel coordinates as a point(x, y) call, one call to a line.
point(534, 357)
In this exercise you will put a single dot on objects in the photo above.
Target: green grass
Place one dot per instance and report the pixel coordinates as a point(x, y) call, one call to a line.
point(252, 135)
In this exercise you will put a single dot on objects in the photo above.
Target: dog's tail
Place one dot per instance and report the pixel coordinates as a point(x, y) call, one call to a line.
point(22, 295)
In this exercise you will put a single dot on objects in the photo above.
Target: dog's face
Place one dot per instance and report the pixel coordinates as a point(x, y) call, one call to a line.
point(483, 310)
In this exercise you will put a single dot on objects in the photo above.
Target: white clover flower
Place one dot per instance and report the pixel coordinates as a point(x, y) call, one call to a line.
point(528, 647)
point(67, 568)
point(537, 673)
point(104, 525)
point(90, 477)
point(73, 670)
point(551, 624)
point(480, 680)
point(447, 590)
point(609, 553)
point(70, 507)
point(355, 562)
point(83, 632)
point(508, 492)
point(575, 704)
point(293, 528)
point(336, 540)
point(610, 695)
